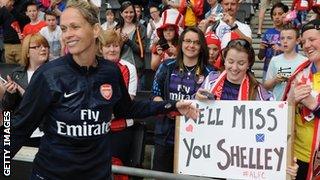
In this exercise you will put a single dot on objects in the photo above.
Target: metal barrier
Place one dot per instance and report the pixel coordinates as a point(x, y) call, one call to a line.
point(153, 174)
point(27, 154)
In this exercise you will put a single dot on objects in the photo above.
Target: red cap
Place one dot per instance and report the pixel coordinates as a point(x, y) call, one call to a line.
point(212, 38)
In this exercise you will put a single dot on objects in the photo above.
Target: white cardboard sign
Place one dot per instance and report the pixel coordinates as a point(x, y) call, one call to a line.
point(234, 139)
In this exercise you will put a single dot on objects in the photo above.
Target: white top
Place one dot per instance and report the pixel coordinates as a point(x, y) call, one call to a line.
point(53, 38)
point(106, 26)
point(29, 75)
point(224, 28)
point(133, 79)
point(279, 64)
point(96, 2)
point(152, 33)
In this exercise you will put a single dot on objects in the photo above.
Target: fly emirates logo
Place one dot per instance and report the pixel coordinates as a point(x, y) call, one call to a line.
point(84, 129)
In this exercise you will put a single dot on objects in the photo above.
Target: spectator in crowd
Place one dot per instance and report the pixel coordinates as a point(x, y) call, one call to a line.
point(110, 20)
point(264, 4)
point(154, 22)
point(11, 21)
point(229, 23)
point(168, 33)
point(35, 24)
point(237, 81)
point(214, 48)
point(110, 48)
point(178, 79)
point(270, 42)
point(122, 131)
point(301, 7)
point(172, 3)
point(139, 13)
point(282, 66)
point(215, 9)
point(76, 96)
point(192, 11)
point(133, 35)
point(52, 32)
point(303, 91)
point(35, 52)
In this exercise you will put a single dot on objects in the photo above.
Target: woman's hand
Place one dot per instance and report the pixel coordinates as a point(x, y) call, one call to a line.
point(159, 50)
point(277, 48)
point(124, 37)
point(200, 95)
point(172, 51)
point(187, 109)
point(10, 85)
point(228, 19)
point(292, 170)
point(301, 91)
point(280, 79)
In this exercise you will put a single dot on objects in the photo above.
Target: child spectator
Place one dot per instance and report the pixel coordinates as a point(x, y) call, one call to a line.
point(282, 66)
point(110, 22)
point(52, 32)
point(167, 46)
point(269, 45)
point(35, 24)
point(214, 47)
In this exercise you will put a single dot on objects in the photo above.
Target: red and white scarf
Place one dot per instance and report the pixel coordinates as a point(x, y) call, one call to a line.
point(218, 87)
point(314, 166)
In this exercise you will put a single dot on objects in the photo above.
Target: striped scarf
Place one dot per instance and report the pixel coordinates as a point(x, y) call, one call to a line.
point(218, 87)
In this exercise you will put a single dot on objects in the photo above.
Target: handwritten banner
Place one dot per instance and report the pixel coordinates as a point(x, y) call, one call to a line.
point(234, 139)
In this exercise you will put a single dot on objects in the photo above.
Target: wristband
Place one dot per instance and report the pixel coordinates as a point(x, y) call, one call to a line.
point(234, 27)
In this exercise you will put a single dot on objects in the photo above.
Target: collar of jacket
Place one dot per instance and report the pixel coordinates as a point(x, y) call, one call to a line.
point(82, 69)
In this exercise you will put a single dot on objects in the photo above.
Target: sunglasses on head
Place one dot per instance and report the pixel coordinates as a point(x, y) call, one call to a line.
point(240, 42)
point(309, 26)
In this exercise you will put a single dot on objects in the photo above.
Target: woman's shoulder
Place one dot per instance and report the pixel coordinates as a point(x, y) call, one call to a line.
point(167, 65)
point(209, 69)
point(169, 62)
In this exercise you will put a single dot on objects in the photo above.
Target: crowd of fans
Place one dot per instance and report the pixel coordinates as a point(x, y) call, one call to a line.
point(197, 50)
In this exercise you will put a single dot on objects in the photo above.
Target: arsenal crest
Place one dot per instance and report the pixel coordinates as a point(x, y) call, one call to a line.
point(106, 91)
